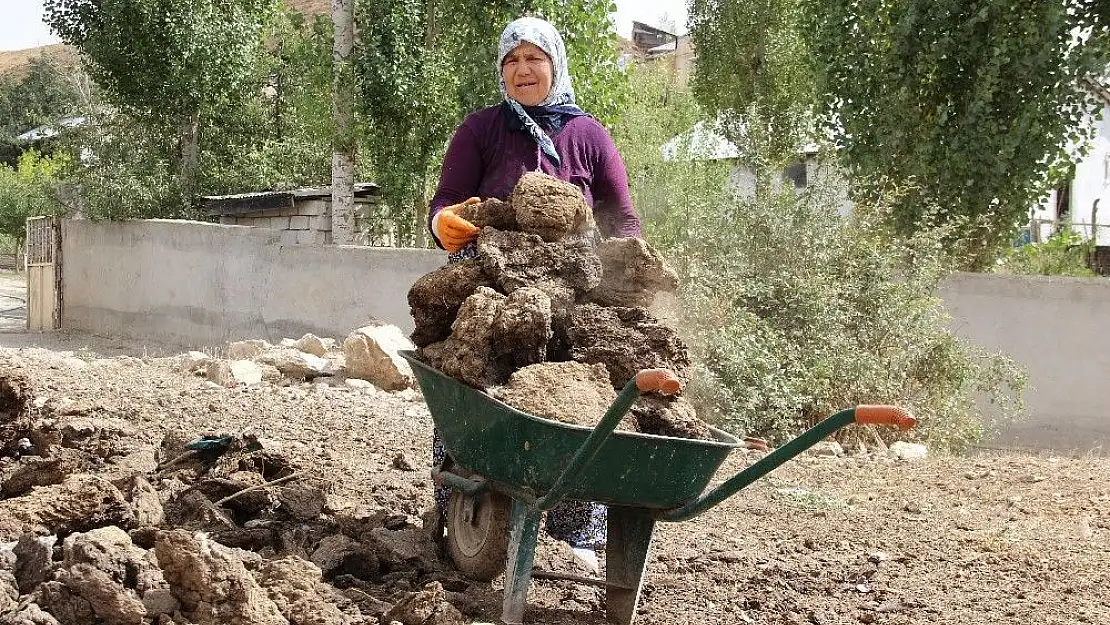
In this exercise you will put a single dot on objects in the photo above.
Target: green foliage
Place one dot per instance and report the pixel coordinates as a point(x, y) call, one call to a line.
point(28, 190)
point(753, 71)
point(975, 100)
point(1063, 254)
point(170, 66)
point(41, 95)
point(968, 105)
point(794, 312)
point(163, 60)
point(423, 65)
point(666, 191)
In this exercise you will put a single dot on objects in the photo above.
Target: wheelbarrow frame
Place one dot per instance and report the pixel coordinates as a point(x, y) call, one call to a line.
point(643, 478)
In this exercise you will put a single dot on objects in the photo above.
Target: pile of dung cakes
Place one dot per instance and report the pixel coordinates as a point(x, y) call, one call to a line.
point(547, 321)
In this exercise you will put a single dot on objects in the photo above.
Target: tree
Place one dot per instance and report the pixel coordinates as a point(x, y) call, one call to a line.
point(423, 64)
point(969, 103)
point(753, 74)
point(166, 63)
point(42, 95)
point(343, 144)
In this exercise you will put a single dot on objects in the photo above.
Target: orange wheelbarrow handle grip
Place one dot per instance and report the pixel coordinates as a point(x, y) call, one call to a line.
point(885, 415)
point(658, 381)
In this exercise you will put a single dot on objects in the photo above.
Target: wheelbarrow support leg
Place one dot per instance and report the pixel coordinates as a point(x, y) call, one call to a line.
point(522, 551)
point(626, 557)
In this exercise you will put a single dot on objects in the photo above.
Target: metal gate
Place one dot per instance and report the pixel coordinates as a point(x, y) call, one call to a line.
point(44, 274)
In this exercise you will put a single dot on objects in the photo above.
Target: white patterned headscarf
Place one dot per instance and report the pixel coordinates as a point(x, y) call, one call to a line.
point(559, 106)
point(543, 35)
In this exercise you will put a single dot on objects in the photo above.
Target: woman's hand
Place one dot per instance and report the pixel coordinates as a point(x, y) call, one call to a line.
point(454, 232)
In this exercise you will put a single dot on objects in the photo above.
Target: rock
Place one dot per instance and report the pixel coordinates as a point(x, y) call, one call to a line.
point(908, 451)
point(111, 551)
point(30, 614)
point(160, 601)
point(234, 373)
point(34, 471)
point(75, 363)
point(570, 392)
point(427, 607)
point(190, 362)
point(9, 592)
point(340, 555)
point(372, 355)
point(294, 363)
point(669, 416)
point(145, 502)
point(34, 561)
point(435, 298)
point(407, 544)
point(827, 449)
point(466, 354)
point(358, 384)
point(80, 503)
point(493, 212)
point(564, 270)
point(294, 586)
point(401, 462)
point(109, 600)
point(522, 329)
point(625, 340)
point(246, 350)
point(312, 344)
point(7, 556)
point(212, 583)
point(632, 273)
point(549, 207)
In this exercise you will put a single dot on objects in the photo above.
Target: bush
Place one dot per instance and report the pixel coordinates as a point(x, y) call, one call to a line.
point(28, 190)
point(796, 312)
point(1063, 254)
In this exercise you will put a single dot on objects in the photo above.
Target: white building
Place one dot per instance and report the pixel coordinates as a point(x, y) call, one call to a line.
point(1084, 199)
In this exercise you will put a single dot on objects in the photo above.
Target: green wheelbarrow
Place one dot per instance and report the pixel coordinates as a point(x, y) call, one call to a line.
point(507, 467)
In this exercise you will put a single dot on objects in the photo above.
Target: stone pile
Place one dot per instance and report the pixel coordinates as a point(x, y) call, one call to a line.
point(547, 321)
point(370, 354)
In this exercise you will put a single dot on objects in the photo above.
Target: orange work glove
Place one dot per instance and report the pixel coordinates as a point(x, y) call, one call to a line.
point(453, 231)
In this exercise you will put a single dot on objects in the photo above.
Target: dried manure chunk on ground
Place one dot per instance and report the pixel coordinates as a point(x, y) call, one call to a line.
point(466, 354)
point(435, 299)
point(570, 392)
point(493, 212)
point(669, 416)
point(633, 272)
point(563, 270)
point(625, 340)
point(80, 503)
point(522, 328)
point(550, 207)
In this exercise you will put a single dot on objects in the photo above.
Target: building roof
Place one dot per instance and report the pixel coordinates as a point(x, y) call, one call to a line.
point(245, 203)
point(47, 131)
point(705, 142)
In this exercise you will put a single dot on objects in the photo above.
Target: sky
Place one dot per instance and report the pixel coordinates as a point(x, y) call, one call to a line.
point(21, 23)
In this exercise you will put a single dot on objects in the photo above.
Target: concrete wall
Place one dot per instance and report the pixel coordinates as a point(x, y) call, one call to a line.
point(192, 283)
point(195, 284)
point(1056, 328)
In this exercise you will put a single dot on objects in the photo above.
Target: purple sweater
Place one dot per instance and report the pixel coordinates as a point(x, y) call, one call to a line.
point(486, 158)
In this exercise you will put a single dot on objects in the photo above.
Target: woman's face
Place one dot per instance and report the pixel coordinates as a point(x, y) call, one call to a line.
point(528, 74)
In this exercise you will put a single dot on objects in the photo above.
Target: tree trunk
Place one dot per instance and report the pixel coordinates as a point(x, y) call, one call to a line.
point(189, 138)
point(343, 144)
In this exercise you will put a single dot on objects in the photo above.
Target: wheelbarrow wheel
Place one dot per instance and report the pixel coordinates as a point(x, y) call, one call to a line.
point(478, 533)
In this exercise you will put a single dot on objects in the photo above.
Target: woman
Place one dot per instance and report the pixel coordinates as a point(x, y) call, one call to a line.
point(538, 127)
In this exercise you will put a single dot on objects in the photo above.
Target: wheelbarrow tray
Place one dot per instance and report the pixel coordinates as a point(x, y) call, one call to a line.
point(524, 451)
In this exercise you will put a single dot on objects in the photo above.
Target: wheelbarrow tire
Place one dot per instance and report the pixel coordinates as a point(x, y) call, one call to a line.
point(478, 546)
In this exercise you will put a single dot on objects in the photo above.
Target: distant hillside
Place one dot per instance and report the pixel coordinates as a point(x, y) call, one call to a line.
point(15, 60)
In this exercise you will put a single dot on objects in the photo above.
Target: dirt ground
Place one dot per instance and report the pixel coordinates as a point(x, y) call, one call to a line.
point(858, 539)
